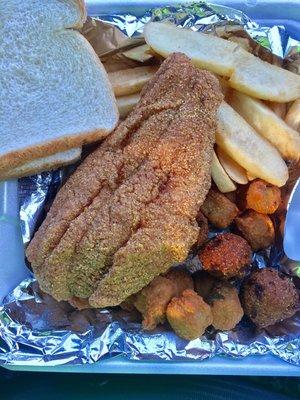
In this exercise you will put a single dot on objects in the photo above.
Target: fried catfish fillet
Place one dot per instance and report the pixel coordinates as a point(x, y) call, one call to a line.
point(129, 211)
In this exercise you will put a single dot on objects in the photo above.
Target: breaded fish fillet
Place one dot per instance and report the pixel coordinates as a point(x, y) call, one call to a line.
point(128, 212)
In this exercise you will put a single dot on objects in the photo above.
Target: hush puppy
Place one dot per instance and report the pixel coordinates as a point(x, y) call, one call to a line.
point(269, 297)
point(226, 256)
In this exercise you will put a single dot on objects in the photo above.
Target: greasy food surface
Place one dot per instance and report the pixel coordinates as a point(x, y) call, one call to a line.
point(268, 297)
point(129, 211)
point(226, 256)
point(189, 315)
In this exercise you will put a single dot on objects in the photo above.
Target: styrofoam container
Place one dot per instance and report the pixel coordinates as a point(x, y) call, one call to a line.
point(12, 266)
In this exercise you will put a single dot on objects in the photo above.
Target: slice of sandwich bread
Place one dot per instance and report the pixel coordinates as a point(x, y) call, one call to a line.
point(54, 92)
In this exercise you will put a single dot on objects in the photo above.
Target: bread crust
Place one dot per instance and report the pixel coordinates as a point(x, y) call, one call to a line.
point(18, 157)
point(23, 170)
point(83, 13)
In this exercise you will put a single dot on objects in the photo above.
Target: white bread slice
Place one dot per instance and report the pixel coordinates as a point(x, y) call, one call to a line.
point(38, 165)
point(54, 92)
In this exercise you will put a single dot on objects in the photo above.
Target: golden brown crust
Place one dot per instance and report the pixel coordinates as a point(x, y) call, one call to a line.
point(189, 315)
point(130, 208)
point(227, 255)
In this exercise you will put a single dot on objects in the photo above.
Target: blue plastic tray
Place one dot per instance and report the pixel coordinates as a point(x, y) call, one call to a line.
point(13, 270)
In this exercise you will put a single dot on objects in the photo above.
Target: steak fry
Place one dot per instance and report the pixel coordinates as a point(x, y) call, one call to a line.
point(128, 212)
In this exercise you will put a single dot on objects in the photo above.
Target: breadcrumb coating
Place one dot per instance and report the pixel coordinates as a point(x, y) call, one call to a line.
point(227, 255)
point(128, 212)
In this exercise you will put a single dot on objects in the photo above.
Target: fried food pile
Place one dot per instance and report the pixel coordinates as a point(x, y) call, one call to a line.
point(129, 211)
point(210, 297)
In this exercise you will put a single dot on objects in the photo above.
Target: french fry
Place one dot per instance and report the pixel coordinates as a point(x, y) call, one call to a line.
point(139, 53)
point(220, 177)
point(232, 168)
point(267, 124)
point(293, 116)
point(240, 141)
point(247, 73)
point(130, 81)
point(127, 103)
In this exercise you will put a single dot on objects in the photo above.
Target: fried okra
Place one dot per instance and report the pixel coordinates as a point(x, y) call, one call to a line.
point(152, 301)
point(268, 297)
point(204, 283)
point(225, 306)
point(263, 197)
point(218, 209)
point(227, 255)
point(256, 228)
point(189, 315)
point(181, 279)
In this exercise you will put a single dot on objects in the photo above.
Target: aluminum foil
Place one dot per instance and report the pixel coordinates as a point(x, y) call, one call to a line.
point(37, 330)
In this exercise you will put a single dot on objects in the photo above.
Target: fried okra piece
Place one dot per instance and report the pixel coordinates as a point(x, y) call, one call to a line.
point(225, 306)
point(226, 256)
point(181, 279)
point(218, 209)
point(189, 315)
point(256, 228)
point(203, 228)
point(263, 197)
point(204, 283)
point(152, 300)
point(268, 297)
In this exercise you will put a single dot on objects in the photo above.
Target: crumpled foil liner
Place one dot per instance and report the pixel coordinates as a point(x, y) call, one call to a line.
point(37, 330)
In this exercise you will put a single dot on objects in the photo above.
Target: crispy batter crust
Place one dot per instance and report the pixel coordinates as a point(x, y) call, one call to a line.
point(128, 213)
